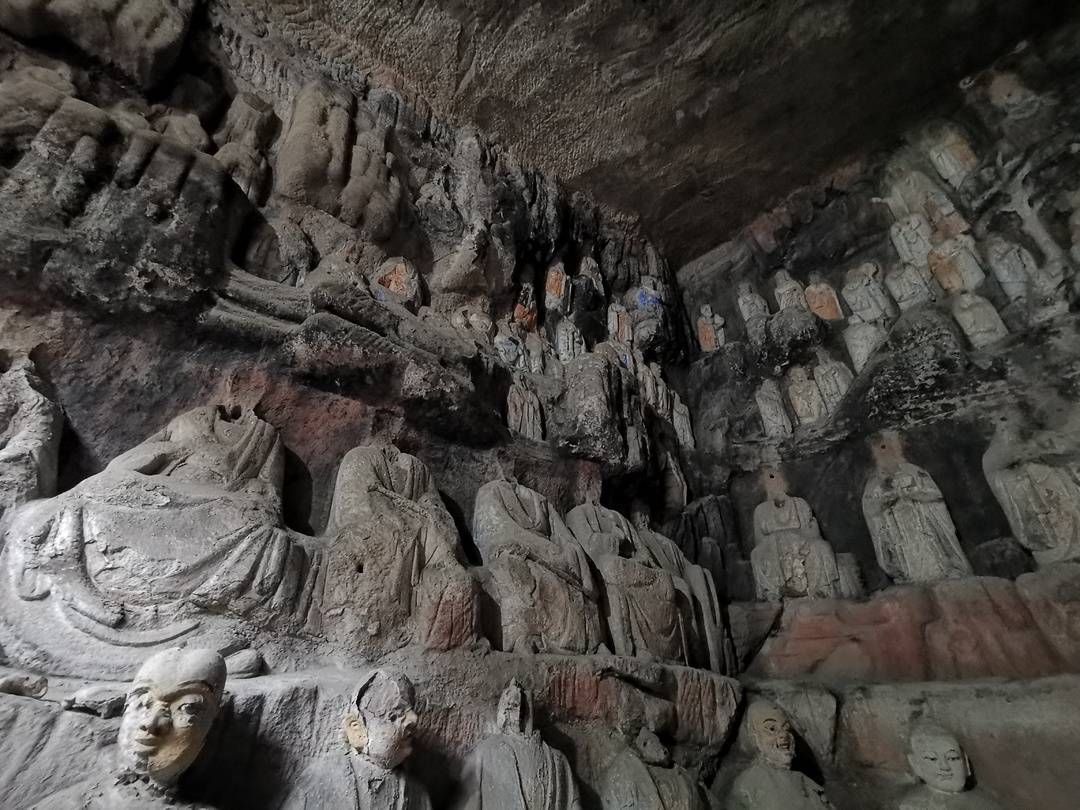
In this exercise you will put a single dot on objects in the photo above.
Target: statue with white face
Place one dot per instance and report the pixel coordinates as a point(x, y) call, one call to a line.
point(770, 783)
point(938, 760)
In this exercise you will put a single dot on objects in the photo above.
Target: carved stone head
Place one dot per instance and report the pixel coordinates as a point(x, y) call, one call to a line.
point(888, 449)
point(381, 726)
point(170, 708)
point(771, 731)
point(651, 750)
point(514, 714)
point(772, 479)
point(706, 310)
point(938, 759)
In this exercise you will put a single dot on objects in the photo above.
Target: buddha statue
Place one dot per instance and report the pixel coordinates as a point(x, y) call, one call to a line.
point(822, 300)
point(169, 710)
point(791, 559)
point(524, 415)
point(911, 237)
point(770, 783)
point(866, 296)
point(755, 312)
point(805, 397)
point(938, 761)
point(1035, 476)
point(645, 777)
point(911, 285)
point(770, 403)
point(788, 292)
point(955, 265)
point(862, 339)
point(710, 330)
point(910, 525)
point(979, 320)
point(513, 768)
point(833, 379)
point(540, 575)
point(367, 774)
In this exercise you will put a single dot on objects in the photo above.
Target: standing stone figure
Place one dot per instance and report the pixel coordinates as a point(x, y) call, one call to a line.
point(645, 777)
point(524, 415)
point(833, 379)
point(543, 585)
point(1035, 476)
point(938, 760)
point(913, 533)
point(911, 285)
point(366, 773)
point(866, 296)
point(955, 265)
point(774, 418)
point(822, 300)
point(649, 606)
point(710, 330)
point(911, 238)
point(681, 422)
point(804, 396)
point(170, 708)
point(788, 292)
point(862, 339)
point(30, 427)
point(791, 560)
point(979, 320)
point(770, 783)
point(950, 152)
point(1012, 265)
point(755, 312)
point(619, 325)
point(514, 769)
point(569, 342)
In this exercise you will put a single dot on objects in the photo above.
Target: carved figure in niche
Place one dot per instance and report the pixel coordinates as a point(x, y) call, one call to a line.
point(911, 237)
point(170, 708)
point(955, 265)
point(396, 569)
point(755, 312)
point(710, 639)
point(509, 346)
point(862, 339)
point(770, 783)
point(682, 423)
point(791, 560)
point(524, 415)
point(833, 379)
point(788, 292)
point(650, 608)
point(710, 330)
point(569, 342)
point(558, 289)
point(913, 532)
point(242, 142)
point(30, 428)
point(770, 403)
point(804, 396)
point(368, 773)
point(822, 300)
point(645, 777)
point(673, 482)
point(866, 296)
point(525, 312)
point(1035, 476)
point(513, 768)
point(950, 153)
point(1012, 265)
point(648, 307)
point(181, 533)
point(542, 581)
point(938, 760)
point(911, 285)
point(979, 320)
point(536, 354)
point(620, 327)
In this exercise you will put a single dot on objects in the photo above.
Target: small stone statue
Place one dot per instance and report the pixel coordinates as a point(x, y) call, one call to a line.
point(833, 379)
point(541, 577)
point(913, 532)
point(911, 285)
point(774, 418)
point(379, 729)
point(1012, 265)
point(951, 153)
point(866, 296)
point(911, 238)
point(710, 330)
point(645, 777)
point(788, 292)
point(822, 300)
point(770, 783)
point(791, 560)
point(955, 265)
point(681, 422)
point(524, 416)
point(30, 427)
point(755, 312)
point(862, 339)
point(558, 289)
point(170, 707)
point(569, 342)
point(938, 760)
point(620, 327)
point(805, 398)
point(514, 769)
point(979, 320)
point(1035, 476)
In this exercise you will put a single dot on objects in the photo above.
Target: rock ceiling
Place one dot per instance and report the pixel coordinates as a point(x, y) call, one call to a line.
point(694, 114)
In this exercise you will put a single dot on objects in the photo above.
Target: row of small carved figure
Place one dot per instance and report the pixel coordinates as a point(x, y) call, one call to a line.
point(177, 694)
point(1035, 478)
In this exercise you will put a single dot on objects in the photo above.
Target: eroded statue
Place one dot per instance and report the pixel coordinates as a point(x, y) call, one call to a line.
point(755, 312)
point(788, 292)
point(913, 532)
point(170, 708)
point(833, 379)
point(770, 403)
point(911, 285)
point(513, 768)
point(938, 760)
point(979, 320)
point(30, 428)
point(862, 339)
point(791, 560)
point(955, 265)
point(866, 296)
point(1035, 476)
point(822, 300)
point(710, 330)
point(524, 415)
point(911, 237)
point(645, 777)
point(805, 397)
point(543, 585)
point(366, 772)
point(770, 783)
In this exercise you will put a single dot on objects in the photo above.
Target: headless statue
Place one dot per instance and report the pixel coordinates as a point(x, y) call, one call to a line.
point(514, 769)
point(366, 773)
point(938, 760)
point(645, 777)
point(30, 427)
